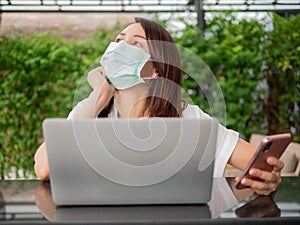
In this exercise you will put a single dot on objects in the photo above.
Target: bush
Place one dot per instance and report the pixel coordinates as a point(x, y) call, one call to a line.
point(39, 75)
point(256, 63)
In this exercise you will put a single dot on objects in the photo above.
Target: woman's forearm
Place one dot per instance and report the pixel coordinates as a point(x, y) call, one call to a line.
point(95, 103)
point(242, 154)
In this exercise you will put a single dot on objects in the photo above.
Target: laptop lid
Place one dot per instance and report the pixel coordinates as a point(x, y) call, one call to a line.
point(130, 161)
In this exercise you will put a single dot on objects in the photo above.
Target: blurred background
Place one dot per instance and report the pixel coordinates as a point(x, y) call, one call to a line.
point(47, 47)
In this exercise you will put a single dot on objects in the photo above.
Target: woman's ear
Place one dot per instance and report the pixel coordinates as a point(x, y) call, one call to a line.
point(148, 70)
point(154, 74)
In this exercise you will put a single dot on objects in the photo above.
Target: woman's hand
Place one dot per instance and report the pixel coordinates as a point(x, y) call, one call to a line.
point(270, 180)
point(103, 90)
point(97, 78)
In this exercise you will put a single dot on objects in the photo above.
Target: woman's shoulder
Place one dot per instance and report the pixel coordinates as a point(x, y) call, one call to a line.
point(193, 111)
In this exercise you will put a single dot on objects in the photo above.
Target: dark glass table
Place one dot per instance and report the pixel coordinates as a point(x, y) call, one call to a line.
point(30, 202)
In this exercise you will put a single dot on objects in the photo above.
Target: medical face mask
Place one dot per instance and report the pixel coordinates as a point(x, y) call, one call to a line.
point(123, 63)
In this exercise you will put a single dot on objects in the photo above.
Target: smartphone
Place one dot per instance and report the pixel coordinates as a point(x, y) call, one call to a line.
point(273, 145)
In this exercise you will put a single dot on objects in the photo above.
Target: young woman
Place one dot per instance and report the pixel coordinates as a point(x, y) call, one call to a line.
point(153, 90)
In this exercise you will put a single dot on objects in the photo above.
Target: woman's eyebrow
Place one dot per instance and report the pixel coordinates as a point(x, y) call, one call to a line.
point(135, 35)
point(140, 36)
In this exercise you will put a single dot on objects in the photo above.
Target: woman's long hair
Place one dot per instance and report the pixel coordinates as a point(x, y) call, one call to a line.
point(164, 97)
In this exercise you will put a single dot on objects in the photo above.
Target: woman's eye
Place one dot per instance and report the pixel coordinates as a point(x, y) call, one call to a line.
point(137, 44)
point(118, 40)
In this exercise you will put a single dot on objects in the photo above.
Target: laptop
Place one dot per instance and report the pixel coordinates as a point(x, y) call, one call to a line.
point(130, 161)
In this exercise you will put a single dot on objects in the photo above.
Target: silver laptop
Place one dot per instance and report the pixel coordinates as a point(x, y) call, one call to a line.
point(130, 161)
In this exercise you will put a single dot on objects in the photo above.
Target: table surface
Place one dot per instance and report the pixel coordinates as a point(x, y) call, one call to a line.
point(30, 202)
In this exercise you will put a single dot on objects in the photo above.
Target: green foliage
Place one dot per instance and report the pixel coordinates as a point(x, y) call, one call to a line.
point(257, 67)
point(282, 71)
point(256, 63)
point(38, 77)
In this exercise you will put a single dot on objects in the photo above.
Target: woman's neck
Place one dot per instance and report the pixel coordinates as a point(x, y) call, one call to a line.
point(131, 102)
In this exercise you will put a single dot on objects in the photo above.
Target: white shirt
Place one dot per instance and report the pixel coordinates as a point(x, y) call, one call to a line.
point(226, 140)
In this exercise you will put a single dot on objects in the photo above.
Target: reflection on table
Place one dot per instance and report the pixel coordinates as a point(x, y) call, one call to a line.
point(259, 207)
point(224, 196)
point(108, 214)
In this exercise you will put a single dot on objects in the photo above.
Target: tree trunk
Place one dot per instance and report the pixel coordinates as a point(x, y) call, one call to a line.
point(272, 104)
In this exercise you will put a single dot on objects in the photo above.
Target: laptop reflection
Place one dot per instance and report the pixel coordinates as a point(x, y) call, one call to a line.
point(116, 213)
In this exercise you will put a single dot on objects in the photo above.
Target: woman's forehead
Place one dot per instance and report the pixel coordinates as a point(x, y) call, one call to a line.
point(134, 29)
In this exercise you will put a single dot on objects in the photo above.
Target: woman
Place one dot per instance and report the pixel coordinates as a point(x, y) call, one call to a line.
point(154, 91)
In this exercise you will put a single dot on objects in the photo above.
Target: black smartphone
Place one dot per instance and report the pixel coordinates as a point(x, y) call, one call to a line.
point(273, 145)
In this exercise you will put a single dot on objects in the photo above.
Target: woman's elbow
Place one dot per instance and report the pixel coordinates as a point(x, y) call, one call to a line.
point(41, 171)
point(41, 166)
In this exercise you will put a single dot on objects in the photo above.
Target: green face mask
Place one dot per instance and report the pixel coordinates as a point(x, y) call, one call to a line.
point(123, 63)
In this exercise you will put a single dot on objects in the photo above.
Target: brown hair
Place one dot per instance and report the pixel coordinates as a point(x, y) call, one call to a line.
point(164, 97)
point(165, 92)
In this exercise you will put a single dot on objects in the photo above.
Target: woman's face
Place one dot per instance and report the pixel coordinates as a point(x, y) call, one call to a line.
point(134, 35)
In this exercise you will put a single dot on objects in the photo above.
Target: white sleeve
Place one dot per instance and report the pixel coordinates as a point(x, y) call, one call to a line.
point(84, 109)
point(76, 110)
point(222, 197)
point(226, 140)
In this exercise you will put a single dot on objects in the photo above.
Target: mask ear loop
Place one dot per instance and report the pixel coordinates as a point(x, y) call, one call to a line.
point(108, 81)
point(155, 76)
